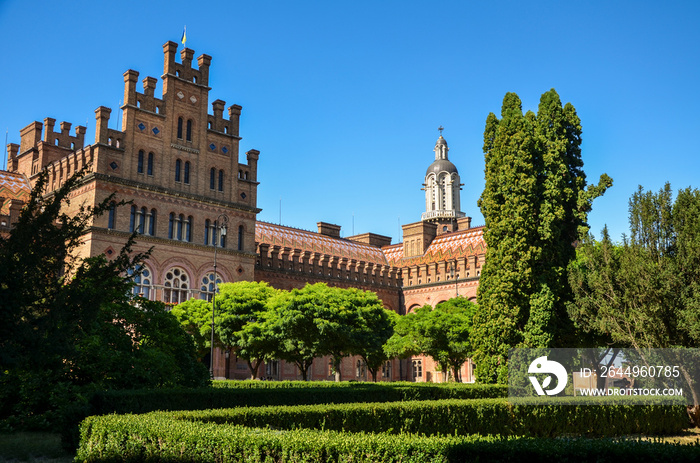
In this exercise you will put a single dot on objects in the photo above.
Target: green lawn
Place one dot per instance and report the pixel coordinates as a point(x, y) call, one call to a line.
point(33, 447)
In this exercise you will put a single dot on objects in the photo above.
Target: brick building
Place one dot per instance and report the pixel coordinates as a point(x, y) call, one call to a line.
point(179, 165)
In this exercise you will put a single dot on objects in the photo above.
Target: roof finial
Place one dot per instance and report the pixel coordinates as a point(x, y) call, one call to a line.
point(440, 129)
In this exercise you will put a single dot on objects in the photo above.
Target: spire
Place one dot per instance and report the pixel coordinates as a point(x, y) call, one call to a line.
point(441, 148)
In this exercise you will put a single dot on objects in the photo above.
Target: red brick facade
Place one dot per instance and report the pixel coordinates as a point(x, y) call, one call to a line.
point(178, 164)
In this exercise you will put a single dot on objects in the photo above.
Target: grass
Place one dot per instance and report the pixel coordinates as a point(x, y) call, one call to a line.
point(37, 447)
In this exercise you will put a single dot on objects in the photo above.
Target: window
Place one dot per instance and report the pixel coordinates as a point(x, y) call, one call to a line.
point(176, 286)
point(142, 220)
point(178, 166)
point(187, 172)
point(189, 130)
point(207, 226)
point(209, 284)
point(141, 276)
point(152, 223)
point(179, 128)
point(180, 219)
point(139, 164)
point(221, 180)
point(132, 218)
point(271, 368)
point(417, 369)
point(111, 218)
point(212, 178)
point(240, 237)
point(386, 369)
point(360, 369)
point(171, 223)
point(150, 164)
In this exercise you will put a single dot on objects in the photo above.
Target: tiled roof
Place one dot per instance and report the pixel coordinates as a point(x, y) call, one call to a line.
point(278, 235)
point(13, 186)
point(444, 247)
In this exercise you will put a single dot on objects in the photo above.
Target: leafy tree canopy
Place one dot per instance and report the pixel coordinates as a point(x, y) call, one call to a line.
point(535, 204)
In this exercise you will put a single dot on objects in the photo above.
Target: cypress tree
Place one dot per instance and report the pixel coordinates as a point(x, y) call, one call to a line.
point(535, 206)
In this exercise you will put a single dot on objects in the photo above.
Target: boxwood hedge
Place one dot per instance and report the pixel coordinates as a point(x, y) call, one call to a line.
point(457, 417)
point(158, 437)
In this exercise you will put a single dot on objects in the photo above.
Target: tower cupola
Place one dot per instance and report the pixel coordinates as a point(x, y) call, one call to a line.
point(442, 186)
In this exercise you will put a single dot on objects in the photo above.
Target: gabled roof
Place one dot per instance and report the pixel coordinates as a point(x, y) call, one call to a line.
point(13, 186)
point(444, 247)
point(279, 235)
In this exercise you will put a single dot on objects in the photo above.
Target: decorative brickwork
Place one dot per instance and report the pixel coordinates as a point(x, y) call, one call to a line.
point(178, 165)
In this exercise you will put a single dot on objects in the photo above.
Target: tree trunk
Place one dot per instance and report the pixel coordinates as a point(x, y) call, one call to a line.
point(374, 373)
point(254, 368)
point(336, 368)
point(693, 410)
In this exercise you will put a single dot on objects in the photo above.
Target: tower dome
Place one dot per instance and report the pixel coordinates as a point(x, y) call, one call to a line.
point(442, 186)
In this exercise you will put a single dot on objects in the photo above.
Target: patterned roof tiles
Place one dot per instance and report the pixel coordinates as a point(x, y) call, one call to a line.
point(13, 186)
point(279, 235)
point(444, 247)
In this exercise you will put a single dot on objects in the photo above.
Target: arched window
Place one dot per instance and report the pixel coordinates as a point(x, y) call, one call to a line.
point(112, 215)
point(209, 284)
point(188, 229)
point(132, 218)
point(177, 285)
point(179, 128)
point(360, 369)
point(150, 164)
point(171, 224)
point(187, 172)
point(139, 165)
point(221, 180)
point(152, 223)
point(240, 237)
point(212, 178)
point(178, 166)
point(386, 369)
point(180, 219)
point(142, 220)
point(207, 225)
point(189, 129)
point(142, 278)
point(417, 369)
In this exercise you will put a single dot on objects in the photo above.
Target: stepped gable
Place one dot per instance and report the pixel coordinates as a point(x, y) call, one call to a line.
point(444, 247)
point(13, 186)
point(294, 238)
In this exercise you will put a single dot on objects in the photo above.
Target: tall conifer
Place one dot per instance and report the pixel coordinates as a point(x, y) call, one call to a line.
point(535, 206)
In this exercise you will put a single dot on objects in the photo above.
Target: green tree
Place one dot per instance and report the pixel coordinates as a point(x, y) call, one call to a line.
point(450, 333)
point(535, 204)
point(70, 324)
point(194, 316)
point(372, 326)
point(442, 333)
point(644, 292)
point(239, 305)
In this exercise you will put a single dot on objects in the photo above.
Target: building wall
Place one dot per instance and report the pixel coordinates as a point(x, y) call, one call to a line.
point(171, 156)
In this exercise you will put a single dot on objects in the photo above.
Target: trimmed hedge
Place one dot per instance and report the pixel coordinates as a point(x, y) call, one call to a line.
point(229, 394)
point(457, 417)
point(154, 437)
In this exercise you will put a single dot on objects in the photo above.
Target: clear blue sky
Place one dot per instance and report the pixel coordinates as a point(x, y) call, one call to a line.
point(343, 99)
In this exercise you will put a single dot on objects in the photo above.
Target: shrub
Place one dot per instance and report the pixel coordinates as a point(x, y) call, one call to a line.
point(157, 437)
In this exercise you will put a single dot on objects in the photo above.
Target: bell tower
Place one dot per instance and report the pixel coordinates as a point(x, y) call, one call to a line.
point(442, 186)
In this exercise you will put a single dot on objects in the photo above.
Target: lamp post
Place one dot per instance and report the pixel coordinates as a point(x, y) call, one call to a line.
point(219, 225)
